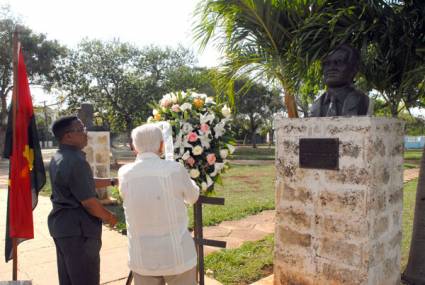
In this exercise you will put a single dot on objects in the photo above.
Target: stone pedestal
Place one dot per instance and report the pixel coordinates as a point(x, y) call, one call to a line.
point(98, 156)
point(339, 226)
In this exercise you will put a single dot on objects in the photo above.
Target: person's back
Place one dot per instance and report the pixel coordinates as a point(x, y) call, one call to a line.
point(154, 193)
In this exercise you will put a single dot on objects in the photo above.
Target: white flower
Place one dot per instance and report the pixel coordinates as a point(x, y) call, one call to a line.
point(154, 112)
point(209, 181)
point(174, 98)
point(204, 186)
point(194, 173)
point(180, 145)
point(167, 96)
point(150, 119)
point(219, 130)
point(197, 150)
point(225, 111)
point(224, 153)
point(231, 148)
point(186, 155)
point(197, 95)
point(206, 118)
point(186, 106)
point(205, 141)
point(183, 94)
point(209, 100)
point(218, 166)
point(186, 128)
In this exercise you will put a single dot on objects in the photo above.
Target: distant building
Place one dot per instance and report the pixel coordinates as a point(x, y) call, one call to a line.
point(411, 142)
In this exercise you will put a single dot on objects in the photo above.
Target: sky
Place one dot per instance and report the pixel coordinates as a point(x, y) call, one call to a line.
point(140, 22)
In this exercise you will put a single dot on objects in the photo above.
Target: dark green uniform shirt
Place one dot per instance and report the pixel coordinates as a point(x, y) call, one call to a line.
point(72, 182)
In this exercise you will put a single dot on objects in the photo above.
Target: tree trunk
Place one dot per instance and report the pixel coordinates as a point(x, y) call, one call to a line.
point(244, 139)
point(253, 140)
point(253, 129)
point(3, 123)
point(271, 138)
point(289, 100)
point(415, 269)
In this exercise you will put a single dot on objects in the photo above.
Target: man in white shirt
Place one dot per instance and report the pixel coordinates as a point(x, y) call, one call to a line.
point(154, 191)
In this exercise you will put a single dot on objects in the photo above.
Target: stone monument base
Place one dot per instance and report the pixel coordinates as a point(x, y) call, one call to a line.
point(339, 226)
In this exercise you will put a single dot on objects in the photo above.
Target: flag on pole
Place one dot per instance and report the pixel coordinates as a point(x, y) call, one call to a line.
point(26, 170)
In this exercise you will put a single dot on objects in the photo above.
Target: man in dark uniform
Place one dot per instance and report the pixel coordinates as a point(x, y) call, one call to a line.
point(341, 98)
point(75, 222)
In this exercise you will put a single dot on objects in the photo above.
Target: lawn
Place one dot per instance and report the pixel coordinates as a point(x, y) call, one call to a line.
point(262, 152)
point(412, 157)
point(244, 265)
point(409, 198)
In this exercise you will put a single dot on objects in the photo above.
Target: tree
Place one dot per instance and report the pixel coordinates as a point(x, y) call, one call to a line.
point(41, 58)
point(257, 38)
point(120, 79)
point(255, 108)
point(187, 77)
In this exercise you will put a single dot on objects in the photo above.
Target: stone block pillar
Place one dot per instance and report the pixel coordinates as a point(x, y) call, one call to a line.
point(98, 156)
point(339, 226)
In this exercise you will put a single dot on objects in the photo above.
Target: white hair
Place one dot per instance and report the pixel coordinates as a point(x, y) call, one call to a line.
point(146, 138)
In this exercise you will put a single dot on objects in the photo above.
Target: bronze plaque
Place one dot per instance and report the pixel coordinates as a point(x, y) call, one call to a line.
point(319, 153)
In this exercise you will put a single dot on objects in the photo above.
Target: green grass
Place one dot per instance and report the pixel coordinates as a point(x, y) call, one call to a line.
point(410, 165)
point(243, 265)
point(409, 198)
point(247, 189)
point(413, 155)
point(249, 153)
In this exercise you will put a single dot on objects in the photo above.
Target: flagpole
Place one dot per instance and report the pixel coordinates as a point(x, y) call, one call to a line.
point(15, 107)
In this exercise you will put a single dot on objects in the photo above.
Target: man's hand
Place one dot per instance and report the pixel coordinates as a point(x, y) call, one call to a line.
point(93, 206)
point(105, 182)
point(113, 220)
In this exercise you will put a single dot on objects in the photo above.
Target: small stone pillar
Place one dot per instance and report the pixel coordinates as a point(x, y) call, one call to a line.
point(97, 150)
point(339, 226)
point(97, 155)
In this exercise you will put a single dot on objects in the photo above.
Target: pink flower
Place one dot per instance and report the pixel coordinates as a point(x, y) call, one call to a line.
point(165, 102)
point(190, 161)
point(204, 128)
point(211, 158)
point(175, 108)
point(192, 137)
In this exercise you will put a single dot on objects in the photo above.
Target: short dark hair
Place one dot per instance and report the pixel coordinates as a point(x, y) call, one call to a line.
point(61, 126)
point(353, 55)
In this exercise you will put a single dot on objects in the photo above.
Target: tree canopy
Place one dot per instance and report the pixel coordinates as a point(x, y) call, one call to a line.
point(121, 80)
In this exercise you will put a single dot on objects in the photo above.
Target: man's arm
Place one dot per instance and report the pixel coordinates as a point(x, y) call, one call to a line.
point(105, 182)
point(93, 206)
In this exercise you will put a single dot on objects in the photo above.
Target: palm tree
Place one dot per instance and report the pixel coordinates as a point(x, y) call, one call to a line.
point(256, 37)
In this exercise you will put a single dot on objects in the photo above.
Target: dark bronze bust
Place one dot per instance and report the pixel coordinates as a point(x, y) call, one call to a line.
point(341, 98)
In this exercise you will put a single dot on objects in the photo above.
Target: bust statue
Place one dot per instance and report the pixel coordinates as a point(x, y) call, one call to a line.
point(341, 98)
point(85, 114)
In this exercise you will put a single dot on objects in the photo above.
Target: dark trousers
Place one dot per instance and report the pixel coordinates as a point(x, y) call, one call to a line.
point(78, 260)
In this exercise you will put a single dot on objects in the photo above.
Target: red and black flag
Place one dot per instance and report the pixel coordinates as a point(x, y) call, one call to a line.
point(26, 170)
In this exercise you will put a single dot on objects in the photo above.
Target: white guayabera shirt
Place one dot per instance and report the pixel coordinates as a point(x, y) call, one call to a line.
point(154, 192)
